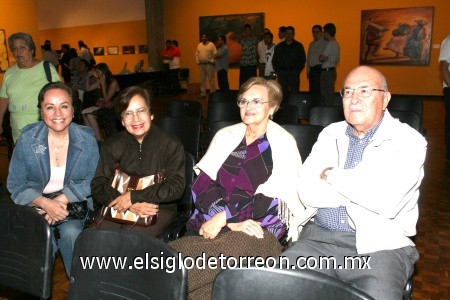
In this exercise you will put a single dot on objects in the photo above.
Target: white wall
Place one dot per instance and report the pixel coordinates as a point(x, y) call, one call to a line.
point(68, 13)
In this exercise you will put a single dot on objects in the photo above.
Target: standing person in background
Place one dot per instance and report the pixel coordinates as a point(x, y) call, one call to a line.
point(174, 69)
point(444, 60)
point(288, 61)
point(204, 57)
point(50, 56)
point(261, 52)
point(329, 58)
point(282, 33)
point(85, 53)
point(22, 83)
point(64, 62)
point(222, 55)
point(269, 72)
point(247, 64)
point(74, 59)
point(314, 65)
point(166, 55)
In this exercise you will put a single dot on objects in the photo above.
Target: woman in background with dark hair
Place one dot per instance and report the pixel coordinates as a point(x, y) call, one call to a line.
point(142, 149)
point(104, 88)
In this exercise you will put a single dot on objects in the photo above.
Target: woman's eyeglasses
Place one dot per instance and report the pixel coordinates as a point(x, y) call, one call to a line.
point(140, 113)
point(256, 103)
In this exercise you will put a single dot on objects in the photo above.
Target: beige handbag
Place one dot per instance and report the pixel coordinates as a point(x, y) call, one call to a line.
point(124, 183)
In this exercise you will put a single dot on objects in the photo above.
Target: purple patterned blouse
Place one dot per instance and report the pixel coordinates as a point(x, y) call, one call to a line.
point(234, 190)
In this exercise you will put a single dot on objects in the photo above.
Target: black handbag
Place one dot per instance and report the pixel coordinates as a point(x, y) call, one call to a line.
point(77, 210)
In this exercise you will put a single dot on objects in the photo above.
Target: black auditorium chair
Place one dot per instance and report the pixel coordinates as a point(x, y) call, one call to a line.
point(230, 96)
point(185, 204)
point(187, 129)
point(183, 76)
point(216, 126)
point(409, 117)
point(26, 262)
point(325, 115)
point(140, 277)
point(304, 103)
point(280, 283)
point(407, 103)
point(287, 114)
point(184, 108)
point(305, 135)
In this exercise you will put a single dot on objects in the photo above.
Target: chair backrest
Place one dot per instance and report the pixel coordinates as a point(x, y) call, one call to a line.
point(407, 103)
point(230, 96)
point(139, 277)
point(276, 283)
point(223, 111)
point(26, 262)
point(325, 115)
point(187, 129)
point(303, 101)
point(287, 114)
point(216, 126)
point(409, 117)
point(305, 135)
point(184, 74)
point(184, 108)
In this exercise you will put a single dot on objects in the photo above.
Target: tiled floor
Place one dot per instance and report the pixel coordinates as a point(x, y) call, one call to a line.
point(431, 280)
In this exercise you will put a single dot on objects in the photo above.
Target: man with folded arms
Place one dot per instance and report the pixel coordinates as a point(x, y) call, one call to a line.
point(363, 177)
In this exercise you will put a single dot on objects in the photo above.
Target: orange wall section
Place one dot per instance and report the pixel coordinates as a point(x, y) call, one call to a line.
point(182, 23)
point(132, 33)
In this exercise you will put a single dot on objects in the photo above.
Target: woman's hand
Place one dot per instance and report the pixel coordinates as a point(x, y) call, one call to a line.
point(102, 79)
point(56, 211)
point(211, 228)
point(61, 198)
point(144, 209)
point(121, 203)
point(249, 227)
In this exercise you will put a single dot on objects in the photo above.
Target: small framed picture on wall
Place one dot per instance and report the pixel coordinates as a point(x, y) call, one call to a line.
point(128, 50)
point(113, 50)
point(99, 51)
point(143, 48)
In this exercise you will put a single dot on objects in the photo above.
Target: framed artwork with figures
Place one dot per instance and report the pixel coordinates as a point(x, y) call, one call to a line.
point(398, 36)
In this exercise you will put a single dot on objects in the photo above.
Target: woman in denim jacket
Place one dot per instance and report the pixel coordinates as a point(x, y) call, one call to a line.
point(55, 156)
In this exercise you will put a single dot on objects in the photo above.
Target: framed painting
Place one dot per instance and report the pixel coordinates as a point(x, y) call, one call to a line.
point(113, 50)
point(398, 36)
point(143, 48)
point(4, 62)
point(98, 51)
point(231, 26)
point(128, 50)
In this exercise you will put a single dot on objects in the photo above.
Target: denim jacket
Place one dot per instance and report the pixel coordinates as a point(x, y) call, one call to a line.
point(29, 169)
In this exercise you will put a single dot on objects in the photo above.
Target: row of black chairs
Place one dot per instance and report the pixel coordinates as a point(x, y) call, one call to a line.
point(157, 272)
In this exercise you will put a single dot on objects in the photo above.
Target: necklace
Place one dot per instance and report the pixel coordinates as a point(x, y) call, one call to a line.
point(57, 148)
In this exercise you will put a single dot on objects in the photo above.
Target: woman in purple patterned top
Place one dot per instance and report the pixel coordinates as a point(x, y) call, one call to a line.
point(228, 199)
point(246, 193)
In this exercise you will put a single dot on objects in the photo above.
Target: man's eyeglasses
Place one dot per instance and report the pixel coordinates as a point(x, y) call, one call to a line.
point(362, 91)
point(140, 113)
point(256, 103)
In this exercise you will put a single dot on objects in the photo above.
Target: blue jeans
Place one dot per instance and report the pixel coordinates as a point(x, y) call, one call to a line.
point(68, 233)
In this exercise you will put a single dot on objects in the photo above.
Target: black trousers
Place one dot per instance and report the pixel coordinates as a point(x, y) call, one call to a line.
point(314, 79)
point(222, 80)
point(289, 81)
point(245, 73)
